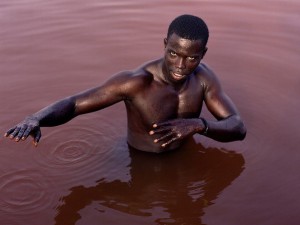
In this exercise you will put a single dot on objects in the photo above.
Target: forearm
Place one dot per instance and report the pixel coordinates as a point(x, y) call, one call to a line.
point(56, 114)
point(225, 130)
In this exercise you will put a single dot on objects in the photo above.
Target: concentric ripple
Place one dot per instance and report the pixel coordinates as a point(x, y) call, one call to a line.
point(24, 192)
point(80, 155)
point(71, 153)
point(79, 146)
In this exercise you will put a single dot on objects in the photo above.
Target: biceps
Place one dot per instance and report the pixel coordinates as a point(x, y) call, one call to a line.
point(220, 105)
point(96, 99)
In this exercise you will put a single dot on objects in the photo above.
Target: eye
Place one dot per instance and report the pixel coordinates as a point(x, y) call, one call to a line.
point(191, 58)
point(173, 53)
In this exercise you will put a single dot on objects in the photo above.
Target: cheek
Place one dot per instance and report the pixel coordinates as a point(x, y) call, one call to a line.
point(169, 62)
point(191, 66)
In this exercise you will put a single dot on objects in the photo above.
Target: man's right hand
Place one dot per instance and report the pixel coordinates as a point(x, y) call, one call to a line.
point(29, 126)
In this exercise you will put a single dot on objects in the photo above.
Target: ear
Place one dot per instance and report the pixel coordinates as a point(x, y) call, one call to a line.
point(165, 42)
point(204, 52)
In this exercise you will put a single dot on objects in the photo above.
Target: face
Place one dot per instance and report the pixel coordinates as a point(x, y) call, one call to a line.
point(182, 56)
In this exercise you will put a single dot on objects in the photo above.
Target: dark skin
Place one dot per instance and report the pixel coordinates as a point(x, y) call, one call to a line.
point(163, 100)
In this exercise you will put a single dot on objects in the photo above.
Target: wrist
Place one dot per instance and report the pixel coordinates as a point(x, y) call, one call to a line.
point(32, 118)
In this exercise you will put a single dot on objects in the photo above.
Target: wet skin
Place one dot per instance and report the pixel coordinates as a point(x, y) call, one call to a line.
point(163, 100)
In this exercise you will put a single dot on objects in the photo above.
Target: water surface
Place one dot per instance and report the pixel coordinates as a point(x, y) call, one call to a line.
point(84, 173)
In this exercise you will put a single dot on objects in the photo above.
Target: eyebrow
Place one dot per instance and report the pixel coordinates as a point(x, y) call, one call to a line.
point(194, 55)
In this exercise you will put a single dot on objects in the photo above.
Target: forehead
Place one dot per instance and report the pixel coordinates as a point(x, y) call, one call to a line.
point(188, 46)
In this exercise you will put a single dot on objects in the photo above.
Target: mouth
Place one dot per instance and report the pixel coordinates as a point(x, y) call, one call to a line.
point(177, 76)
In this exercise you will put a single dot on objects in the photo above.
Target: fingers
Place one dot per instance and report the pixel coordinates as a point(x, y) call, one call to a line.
point(9, 132)
point(160, 128)
point(167, 131)
point(177, 137)
point(26, 133)
point(168, 138)
point(164, 137)
point(14, 133)
point(18, 133)
point(37, 137)
point(169, 142)
point(21, 133)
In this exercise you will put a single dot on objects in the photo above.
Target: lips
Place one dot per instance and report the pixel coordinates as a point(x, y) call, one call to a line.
point(177, 76)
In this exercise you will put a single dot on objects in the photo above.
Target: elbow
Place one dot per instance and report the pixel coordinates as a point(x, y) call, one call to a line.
point(242, 132)
point(239, 130)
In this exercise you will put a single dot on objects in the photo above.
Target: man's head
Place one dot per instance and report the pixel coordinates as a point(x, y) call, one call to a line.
point(185, 46)
point(189, 27)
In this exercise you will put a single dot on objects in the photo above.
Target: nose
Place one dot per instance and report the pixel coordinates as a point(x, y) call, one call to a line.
point(180, 63)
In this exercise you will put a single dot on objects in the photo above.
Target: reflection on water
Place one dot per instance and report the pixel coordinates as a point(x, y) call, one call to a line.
point(172, 188)
point(83, 172)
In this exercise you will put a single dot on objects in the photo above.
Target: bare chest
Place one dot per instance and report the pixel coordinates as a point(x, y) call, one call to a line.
point(158, 104)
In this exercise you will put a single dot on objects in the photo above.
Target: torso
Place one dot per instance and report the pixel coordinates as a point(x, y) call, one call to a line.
point(156, 101)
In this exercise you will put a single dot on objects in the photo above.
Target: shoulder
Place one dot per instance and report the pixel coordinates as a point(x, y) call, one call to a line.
point(131, 81)
point(142, 75)
point(207, 78)
point(205, 73)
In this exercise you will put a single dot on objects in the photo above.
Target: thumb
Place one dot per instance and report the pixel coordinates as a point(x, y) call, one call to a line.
point(37, 137)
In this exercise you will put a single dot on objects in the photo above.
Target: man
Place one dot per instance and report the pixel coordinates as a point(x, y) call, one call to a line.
point(163, 98)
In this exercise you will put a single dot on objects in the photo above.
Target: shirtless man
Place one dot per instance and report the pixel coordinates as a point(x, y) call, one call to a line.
point(163, 98)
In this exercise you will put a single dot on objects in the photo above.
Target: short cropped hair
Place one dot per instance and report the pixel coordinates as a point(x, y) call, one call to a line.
point(189, 27)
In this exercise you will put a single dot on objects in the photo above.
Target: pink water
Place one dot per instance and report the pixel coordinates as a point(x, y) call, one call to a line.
point(83, 173)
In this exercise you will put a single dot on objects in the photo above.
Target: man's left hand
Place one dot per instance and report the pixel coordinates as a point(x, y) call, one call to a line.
point(174, 130)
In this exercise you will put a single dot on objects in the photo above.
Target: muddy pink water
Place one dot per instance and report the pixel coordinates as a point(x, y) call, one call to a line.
point(83, 173)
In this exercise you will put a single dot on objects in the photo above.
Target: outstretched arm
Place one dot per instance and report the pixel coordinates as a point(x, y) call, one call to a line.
point(53, 115)
point(112, 91)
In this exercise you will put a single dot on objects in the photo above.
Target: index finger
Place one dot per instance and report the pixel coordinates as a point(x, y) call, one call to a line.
point(161, 124)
